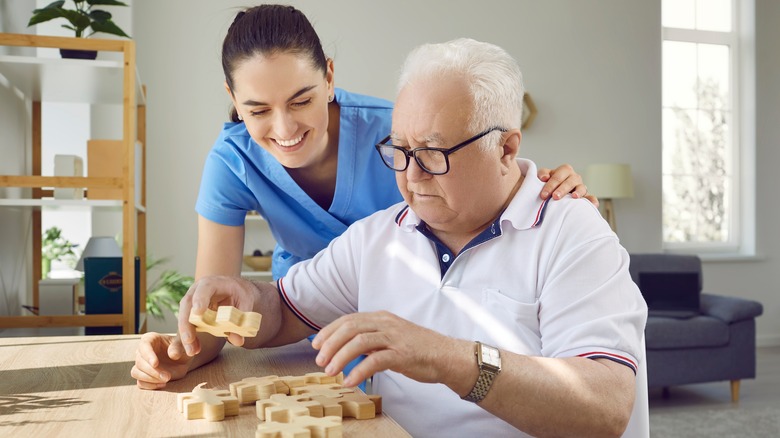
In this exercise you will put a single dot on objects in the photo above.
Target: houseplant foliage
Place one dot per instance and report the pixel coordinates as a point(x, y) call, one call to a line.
point(166, 291)
point(81, 18)
point(54, 247)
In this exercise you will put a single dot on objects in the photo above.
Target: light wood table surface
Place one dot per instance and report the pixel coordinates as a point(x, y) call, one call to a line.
point(80, 386)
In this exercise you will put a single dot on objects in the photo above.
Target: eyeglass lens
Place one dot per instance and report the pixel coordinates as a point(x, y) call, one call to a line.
point(430, 160)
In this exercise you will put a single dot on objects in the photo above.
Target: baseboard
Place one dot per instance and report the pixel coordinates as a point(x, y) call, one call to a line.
point(768, 341)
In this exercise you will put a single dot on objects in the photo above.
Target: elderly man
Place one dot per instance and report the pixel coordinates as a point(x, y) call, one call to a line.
point(483, 310)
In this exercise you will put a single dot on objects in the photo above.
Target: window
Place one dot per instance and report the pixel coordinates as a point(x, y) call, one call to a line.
point(707, 127)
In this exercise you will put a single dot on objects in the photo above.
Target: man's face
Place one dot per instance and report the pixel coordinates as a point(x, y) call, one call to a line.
point(437, 113)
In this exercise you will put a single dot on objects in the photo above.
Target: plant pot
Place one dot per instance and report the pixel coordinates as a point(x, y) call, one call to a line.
point(78, 54)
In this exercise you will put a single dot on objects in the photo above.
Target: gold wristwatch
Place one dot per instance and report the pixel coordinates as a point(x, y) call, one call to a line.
point(489, 363)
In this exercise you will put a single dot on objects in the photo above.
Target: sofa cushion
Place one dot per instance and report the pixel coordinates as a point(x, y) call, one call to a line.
point(696, 332)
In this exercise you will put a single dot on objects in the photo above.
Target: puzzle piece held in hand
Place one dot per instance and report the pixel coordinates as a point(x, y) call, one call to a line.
point(227, 319)
point(300, 427)
point(211, 404)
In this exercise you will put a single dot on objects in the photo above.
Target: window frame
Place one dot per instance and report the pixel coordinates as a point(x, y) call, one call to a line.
point(741, 43)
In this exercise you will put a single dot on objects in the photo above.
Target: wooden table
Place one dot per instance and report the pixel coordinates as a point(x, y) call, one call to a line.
point(81, 386)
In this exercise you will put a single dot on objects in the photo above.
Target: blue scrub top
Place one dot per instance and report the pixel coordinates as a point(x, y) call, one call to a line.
point(240, 176)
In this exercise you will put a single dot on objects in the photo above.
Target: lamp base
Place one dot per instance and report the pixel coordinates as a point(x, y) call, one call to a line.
point(609, 214)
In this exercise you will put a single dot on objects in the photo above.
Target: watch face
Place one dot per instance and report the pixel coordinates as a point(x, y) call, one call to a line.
point(490, 356)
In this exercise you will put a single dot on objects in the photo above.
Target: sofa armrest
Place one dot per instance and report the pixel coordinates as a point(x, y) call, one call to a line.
point(730, 309)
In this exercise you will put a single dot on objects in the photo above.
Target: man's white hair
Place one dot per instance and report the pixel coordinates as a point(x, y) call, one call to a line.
point(494, 78)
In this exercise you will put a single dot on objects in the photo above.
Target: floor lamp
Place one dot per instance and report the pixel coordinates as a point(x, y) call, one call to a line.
point(608, 182)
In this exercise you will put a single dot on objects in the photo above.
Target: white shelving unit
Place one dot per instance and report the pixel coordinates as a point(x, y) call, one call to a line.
point(41, 79)
point(67, 80)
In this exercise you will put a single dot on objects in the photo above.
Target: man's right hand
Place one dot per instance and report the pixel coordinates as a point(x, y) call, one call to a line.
point(158, 360)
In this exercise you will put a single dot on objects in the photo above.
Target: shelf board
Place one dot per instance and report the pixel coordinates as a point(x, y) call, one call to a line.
point(54, 204)
point(66, 80)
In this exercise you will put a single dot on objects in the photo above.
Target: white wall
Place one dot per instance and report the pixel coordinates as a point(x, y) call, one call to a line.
point(593, 69)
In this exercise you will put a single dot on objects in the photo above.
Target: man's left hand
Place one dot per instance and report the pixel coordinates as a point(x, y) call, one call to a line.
point(388, 341)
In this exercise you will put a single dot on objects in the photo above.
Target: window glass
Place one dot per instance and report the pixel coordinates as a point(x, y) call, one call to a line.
point(679, 13)
point(712, 15)
point(698, 162)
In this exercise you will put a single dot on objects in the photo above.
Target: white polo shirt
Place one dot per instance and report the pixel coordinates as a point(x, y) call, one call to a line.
point(546, 279)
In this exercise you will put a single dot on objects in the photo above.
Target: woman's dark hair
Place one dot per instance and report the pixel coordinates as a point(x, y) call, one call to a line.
point(267, 30)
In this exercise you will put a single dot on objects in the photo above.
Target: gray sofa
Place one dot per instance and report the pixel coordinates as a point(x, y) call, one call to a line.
point(717, 345)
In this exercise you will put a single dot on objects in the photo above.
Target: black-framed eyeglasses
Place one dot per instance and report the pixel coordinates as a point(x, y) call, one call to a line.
point(435, 161)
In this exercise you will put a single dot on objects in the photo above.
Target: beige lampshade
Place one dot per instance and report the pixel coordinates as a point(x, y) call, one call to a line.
point(99, 246)
point(610, 181)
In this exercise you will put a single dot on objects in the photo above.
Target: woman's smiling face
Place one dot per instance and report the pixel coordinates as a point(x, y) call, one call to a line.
point(283, 100)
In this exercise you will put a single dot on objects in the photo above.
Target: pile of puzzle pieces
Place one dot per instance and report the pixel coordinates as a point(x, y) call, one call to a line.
point(293, 406)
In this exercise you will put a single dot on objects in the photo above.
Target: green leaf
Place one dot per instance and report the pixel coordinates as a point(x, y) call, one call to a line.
point(53, 5)
point(45, 14)
point(77, 19)
point(108, 27)
point(166, 291)
point(106, 2)
point(99, 15)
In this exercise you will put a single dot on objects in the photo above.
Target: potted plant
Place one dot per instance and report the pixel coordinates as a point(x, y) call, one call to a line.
point(167, 291)
point(54, 247)
point(81, 18)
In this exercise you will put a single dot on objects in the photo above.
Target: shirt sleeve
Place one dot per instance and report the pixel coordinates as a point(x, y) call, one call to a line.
point(224, 197)
point(589, 305)
point(325, 287)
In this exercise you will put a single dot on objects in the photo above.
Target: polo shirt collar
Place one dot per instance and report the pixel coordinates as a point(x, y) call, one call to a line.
point(525, 211)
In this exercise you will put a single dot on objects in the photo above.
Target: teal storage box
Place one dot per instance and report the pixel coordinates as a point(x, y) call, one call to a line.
point(103, 290)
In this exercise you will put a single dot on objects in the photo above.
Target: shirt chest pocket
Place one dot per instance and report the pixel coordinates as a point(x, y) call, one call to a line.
point(509, 323)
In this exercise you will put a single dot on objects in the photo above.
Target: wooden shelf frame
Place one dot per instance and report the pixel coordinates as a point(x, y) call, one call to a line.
point(133, 215)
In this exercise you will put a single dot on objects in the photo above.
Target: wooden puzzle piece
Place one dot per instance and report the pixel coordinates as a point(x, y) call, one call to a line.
point(310, 379)
point(302, 427)
point(330, 406)
point(252, 389)
point(227, 319)
point(283, 408)
point(211, 404)
point(354, 403)
point(332, 390)
point(323, 379)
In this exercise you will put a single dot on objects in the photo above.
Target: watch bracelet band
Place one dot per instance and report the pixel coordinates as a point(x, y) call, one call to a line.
point(484, 381)
point(481, 388)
